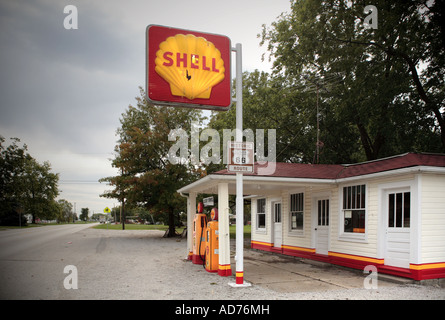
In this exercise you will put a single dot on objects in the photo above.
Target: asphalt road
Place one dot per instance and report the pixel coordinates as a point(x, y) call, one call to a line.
point(37, 264)
point(141, 264)
point(32, 260)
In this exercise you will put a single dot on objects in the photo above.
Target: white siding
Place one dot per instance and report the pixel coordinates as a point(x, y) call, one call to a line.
point(300, 238)
point(260, 235)
point(356, 244)
point(433, 218)
point(368, 244)
point(427, 217)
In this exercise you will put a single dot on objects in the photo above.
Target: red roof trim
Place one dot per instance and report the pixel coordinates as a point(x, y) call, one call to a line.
point(338, 171)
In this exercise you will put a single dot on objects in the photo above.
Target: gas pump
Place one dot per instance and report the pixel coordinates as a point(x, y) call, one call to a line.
point(199, 227)
point(212, 243)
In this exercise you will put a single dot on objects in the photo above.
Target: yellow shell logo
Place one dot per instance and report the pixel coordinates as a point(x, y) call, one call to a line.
point(191, 65)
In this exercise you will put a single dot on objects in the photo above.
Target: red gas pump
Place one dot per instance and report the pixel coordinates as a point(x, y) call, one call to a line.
point(199, 226)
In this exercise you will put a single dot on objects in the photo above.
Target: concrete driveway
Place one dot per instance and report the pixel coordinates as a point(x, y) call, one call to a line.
point(141, 264)
point(288, 274)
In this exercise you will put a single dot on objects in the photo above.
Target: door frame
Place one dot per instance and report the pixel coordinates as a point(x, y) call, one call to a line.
point(272, 211)
point(315, 198)
point(396, 230)
point(414, 187)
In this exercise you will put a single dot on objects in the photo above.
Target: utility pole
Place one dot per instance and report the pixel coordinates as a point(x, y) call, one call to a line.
point(317, 146)
point(320, 83)
point(318, 130)
point(123, 204)
point(123, 214)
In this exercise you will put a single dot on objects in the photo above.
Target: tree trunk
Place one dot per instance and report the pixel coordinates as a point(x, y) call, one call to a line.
point(372, 148)
point(123, 214)
point(171, 223)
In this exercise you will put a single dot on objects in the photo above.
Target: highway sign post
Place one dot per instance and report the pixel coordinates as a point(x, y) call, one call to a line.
point(240, 156)
point(107, 211)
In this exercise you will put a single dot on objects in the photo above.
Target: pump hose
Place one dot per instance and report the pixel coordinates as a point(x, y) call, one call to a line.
point(200, 242)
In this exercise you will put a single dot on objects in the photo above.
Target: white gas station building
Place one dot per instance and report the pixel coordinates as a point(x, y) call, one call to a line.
point(389, 213)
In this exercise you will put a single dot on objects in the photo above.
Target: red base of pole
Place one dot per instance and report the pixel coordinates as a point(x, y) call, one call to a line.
point(239, 277)
point(224, 270)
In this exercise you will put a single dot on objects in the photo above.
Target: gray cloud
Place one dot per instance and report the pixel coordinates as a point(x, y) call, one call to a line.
point(63, 91)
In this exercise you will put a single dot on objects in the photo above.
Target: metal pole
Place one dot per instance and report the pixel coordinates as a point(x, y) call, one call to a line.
point(318, 132)
point(239, 176)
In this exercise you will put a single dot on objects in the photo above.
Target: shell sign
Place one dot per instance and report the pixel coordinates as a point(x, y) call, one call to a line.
point(188, 68)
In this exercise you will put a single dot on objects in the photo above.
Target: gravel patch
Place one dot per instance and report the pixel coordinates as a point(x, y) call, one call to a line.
point(143, 265)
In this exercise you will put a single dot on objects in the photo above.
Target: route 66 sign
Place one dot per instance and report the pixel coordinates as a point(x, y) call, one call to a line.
point(240, 157)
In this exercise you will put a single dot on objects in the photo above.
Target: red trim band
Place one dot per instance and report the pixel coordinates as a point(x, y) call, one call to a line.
point(415, 271)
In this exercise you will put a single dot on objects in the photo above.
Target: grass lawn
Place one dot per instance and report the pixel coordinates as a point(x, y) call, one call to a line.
point(32, 225)
point(163, 228)
point(129, 226)
point(246, 232)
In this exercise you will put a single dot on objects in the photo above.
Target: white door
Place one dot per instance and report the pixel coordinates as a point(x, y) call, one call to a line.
point(322, 227)
point(398, 218)
point(278, 233)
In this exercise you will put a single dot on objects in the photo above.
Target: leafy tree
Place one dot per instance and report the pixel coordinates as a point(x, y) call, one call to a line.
point(269, 102)
point(12, 159)
point(146, 177)
point(65, 211)
point(26, 186)
point(40, 189)
point(383, 86)
point(84, 214)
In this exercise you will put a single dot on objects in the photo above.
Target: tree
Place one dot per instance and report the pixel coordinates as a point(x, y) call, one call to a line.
point(384, 86)
point(12, 159)
point(272, 103)
point(84, 214)
point(146, 176)
point(26, 186)
point(40, 189)
point(65, 211)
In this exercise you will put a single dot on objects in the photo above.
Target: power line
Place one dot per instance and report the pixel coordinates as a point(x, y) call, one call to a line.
point(78, 182)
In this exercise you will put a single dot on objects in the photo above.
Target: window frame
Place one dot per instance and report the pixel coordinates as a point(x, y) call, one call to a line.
point(298, 230)
point(258, 213)
point(348, 203)
point(400, 220)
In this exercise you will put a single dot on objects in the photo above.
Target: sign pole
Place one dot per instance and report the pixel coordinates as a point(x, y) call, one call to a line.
point(239, 176)
point(107, 211)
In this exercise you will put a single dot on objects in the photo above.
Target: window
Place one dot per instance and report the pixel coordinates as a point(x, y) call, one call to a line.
point(261, 213)
point(277, 213)
point(399, 210)
point(323, 212)
point(296, 211)
point(354, 208)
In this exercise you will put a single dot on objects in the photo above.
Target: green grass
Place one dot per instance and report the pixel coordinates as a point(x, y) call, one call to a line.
point(247, 230)
point(129, 226)
point(163, 228)
point(34, 225)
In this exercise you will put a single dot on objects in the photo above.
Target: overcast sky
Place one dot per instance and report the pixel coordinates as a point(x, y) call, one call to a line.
point(63, 91)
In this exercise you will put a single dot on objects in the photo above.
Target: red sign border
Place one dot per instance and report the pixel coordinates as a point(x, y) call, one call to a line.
point(182, 101)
